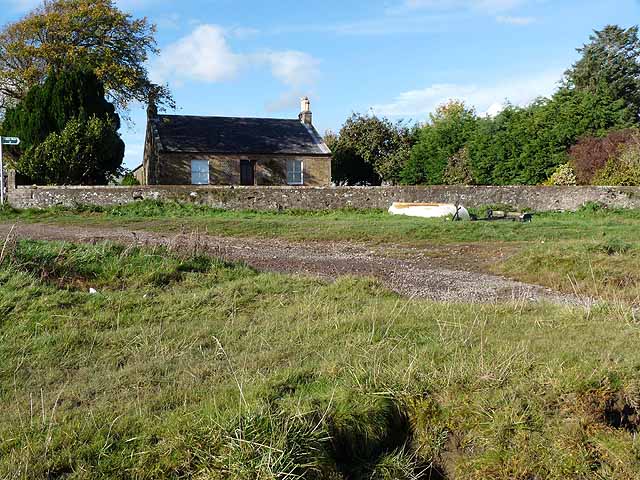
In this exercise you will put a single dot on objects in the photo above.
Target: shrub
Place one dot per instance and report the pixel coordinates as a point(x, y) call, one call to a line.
point(84, 152)
point(592, 208)
point(610, 247)
point(564, 175)
point(129, 180)
point(458, 171)
point(591, 154)
point(623, 170)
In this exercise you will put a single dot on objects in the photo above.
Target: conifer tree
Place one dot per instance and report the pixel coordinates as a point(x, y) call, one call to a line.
point(69, 131)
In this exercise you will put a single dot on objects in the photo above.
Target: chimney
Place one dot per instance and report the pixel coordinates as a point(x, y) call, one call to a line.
point(306, 116)
point(152, 107)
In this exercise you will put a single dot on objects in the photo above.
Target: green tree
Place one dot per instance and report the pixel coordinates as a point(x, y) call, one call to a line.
point(611, 62)
point(65, 95)
point(70, 106)
point(496, 146)
point(526, 145)
point(91, 33)
point(370, 150)
point(458, 170)
point(85, 152)
point(349, 168)
point(447, 132)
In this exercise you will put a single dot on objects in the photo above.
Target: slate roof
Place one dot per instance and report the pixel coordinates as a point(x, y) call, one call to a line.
point(230, 135)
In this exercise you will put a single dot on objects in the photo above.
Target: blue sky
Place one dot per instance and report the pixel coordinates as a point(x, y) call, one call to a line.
point(399, 58)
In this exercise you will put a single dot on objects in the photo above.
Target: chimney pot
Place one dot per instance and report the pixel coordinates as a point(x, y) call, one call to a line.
point(305, 116)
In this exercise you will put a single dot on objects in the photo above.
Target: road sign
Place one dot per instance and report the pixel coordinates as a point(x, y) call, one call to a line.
point(5, 141)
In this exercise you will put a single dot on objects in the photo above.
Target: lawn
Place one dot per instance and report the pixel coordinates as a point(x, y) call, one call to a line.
point(189, 367)
point(371, 226)
point(595, 251)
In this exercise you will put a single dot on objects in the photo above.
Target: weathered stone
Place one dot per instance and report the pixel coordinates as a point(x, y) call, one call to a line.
point(536, 198)
point(224, 170)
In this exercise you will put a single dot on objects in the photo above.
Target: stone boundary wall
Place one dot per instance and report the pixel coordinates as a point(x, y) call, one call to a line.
point(326, 198)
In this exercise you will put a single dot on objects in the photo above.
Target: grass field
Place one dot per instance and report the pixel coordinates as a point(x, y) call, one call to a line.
point(188, 367)
point(372, 226)
point(594, 252)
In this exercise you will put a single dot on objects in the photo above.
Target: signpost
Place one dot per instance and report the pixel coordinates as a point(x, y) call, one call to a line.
point(5, 141)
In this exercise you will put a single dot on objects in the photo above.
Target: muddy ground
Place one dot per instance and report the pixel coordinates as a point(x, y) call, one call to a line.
point(442, 273)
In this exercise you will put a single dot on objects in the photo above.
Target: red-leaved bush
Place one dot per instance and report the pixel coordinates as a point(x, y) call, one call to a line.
point(591, 154)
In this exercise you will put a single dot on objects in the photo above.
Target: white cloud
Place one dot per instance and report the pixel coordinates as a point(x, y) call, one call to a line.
point(488, 99)
point(202, 55)
point(521, 21)
point(291, 67)
point(205, 55)
point(298, 70)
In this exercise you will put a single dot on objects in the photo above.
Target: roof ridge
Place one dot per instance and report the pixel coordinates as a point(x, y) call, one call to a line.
point(233, 118)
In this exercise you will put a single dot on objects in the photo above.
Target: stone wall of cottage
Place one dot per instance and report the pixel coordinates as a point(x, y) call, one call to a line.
point(270, 170)
point(326, 198)
point(139, 175)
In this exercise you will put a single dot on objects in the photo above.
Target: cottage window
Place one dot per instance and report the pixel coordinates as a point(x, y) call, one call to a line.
point(199, 172)
point(294, 172)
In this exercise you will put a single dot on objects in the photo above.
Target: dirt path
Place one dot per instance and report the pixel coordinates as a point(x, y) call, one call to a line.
point(410, 272)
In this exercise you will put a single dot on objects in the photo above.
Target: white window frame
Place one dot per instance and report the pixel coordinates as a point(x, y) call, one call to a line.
point(201, 173)
point(291, 171)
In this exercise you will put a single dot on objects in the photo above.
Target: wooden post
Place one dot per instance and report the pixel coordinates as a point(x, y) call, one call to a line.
point(1, 176)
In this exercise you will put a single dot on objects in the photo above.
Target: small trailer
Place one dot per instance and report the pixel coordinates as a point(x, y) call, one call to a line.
point(494, 215)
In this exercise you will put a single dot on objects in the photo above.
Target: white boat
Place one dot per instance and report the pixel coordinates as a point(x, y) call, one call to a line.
point(430, 210)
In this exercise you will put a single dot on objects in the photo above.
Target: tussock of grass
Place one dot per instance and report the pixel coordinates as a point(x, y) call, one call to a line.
point(607, 269)
point(108, 265)
point(223, 372)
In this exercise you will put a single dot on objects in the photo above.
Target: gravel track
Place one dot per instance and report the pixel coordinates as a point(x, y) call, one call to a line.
point(411, 274)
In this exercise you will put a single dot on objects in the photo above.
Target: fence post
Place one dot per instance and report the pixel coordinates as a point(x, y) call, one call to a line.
point(11, 180)
point(1, 175)
point(10, 186)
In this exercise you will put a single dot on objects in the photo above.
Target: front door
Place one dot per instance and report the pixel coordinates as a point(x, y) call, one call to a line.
point(247, 172)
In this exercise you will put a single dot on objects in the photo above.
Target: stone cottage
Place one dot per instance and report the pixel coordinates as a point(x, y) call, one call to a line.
point(190, 150)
